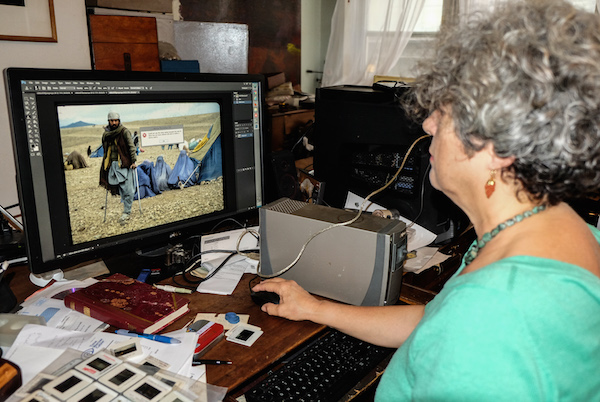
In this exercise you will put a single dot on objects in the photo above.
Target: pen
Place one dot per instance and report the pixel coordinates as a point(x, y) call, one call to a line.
point(203, 361)
point(173, 289)
point(158, 338)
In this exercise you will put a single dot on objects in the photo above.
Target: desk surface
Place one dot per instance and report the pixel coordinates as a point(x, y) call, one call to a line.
point(280, 336)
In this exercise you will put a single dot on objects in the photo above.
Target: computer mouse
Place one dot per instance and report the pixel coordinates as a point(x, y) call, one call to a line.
point(263, 297)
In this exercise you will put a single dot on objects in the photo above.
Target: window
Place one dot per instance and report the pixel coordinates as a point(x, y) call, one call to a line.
point(429, 23)
point(429, 20)
point(431, 17)
point(587, 5)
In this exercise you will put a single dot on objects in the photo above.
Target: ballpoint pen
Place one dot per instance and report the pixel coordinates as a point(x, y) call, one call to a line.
point(158, 338)
point(204, 361)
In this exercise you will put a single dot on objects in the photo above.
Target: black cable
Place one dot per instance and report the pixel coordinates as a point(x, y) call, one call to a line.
point(422, 206)
point(308, 131)
point(191, 265)
point(188, 281)
point(221, 265)
point(210, 275)
point(250, 285)
point(225, 220)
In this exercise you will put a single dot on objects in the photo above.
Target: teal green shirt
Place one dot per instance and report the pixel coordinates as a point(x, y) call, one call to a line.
point(521, 329)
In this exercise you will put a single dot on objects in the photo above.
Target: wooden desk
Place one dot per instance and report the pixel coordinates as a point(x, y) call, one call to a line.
point(280, 336)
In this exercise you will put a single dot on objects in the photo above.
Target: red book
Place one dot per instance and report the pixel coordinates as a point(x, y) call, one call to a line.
point(130, 304)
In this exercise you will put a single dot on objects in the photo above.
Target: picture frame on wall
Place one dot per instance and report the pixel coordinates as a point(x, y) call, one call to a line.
point(28, 20)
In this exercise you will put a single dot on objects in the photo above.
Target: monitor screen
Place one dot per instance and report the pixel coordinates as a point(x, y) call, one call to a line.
point(109, 161)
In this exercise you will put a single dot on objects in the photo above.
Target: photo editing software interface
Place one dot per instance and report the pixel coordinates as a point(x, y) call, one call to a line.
point(199, 145)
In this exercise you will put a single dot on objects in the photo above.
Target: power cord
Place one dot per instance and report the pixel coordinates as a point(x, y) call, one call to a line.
point(349, 222)
point(196, 260)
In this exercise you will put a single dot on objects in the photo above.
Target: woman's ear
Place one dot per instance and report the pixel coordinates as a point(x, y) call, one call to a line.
point(497, 162)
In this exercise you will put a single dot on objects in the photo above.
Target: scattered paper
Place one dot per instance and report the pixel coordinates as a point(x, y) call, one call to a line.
point(417, 235)
point(25, 351)
point(57, 288)
point(220, 319)
point(57, 315)
point(426, 257)
point(239, 239)
point(227, 278)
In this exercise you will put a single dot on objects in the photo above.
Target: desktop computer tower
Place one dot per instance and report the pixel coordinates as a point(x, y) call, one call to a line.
point(359, 264)
point(361, 137)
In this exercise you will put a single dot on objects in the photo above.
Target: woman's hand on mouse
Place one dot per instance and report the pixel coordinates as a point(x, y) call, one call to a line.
point(295, 303)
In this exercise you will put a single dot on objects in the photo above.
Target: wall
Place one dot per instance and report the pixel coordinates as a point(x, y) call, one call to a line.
point(316, 29)
point(71, 51)
point(274, 31)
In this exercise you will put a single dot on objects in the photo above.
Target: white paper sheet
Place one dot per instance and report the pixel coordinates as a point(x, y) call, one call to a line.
point(220, 319)
point(57, 315)
point(227, 241)
point(225, 281)
point(426, 258)
point(26, 348)
point(56, 288)
point(417, 236)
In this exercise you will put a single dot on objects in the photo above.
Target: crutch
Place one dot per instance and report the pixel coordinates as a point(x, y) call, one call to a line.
point(105, 205)
point(137, 183)
point(182, 186)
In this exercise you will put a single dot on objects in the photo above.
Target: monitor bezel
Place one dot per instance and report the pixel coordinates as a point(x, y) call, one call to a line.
point(155, 237)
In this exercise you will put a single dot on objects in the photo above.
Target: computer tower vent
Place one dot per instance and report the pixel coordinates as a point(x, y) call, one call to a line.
point(287, 206)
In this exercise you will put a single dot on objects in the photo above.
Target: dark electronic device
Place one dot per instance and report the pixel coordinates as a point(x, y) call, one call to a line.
point(361, 137)
point(51, 109)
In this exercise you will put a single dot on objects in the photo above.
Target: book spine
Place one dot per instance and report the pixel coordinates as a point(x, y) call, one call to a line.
point(107, 313)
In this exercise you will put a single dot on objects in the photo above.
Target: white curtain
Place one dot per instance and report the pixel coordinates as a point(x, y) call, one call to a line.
point(357, 52)
point(467, 7)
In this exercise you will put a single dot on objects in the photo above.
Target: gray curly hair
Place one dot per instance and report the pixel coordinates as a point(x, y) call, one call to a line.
point(526, 78)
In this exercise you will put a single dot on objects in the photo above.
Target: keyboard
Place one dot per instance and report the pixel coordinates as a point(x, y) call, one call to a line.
point(325, 370)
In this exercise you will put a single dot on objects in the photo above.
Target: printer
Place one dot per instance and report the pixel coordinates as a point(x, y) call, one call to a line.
point(358, 263)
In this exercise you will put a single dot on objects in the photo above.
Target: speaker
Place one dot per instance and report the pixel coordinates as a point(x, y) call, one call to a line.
point(286, 176)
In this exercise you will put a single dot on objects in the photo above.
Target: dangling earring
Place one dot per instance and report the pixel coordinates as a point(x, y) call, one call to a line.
point(490, 185)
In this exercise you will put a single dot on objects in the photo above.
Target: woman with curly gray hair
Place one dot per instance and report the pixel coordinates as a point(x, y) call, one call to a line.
point(512, 101)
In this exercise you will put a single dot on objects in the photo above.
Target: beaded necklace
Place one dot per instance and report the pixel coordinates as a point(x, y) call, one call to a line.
point(478, 245)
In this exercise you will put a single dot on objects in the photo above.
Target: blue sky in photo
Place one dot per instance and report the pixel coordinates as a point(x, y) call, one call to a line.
point(97, 114)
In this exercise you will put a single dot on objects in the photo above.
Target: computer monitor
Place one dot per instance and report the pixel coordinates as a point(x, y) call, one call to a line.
point(208, 128)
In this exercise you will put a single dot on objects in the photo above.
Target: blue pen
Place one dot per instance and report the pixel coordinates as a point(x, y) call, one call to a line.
point(158, 338)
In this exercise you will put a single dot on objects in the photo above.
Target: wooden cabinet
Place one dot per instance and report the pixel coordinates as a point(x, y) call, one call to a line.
point(285, 127)
point(124, 43)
